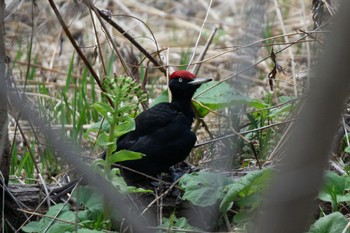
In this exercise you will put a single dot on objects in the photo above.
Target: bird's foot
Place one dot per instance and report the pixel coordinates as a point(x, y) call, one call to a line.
point(179, 169)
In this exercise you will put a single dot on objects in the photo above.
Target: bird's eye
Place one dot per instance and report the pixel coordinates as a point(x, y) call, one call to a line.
point(180, 80)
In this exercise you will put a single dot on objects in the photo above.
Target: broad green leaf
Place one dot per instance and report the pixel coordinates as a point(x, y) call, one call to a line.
point(180, 223)
point(347, 149)
point(284, 109)
point(92, 202)
point(285, 98)
point(60, 211)
point(98, 163)
point(103, 140)
point(117, 180)
point(203, 188)
point(85, 230)
point(343, 198)
point(124, 127)
point(132, 189)
point(249, 184)
point(33, 227)
point(242, 217)
point(218, 97)
point(332, 223)
point(89, 197)
point(276, 112)
point(335, 189)
point(97, 126)
point(258, 104)
point(162, 98)
point(59, 227)
point(123, 155)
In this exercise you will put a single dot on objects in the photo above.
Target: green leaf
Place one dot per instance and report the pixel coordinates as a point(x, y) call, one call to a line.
point(259, 104)
point(124, 127)
point(97, 126)
point(123, 155)
point(103, 140)
point(284, 98)
point(61, 211)
point(117, 180)
point(177, 223)
point(162, 98)
point(332, 223)
point(343, 198)
point(203, 188)
point(220, 96)
point(85, 230)
point(91, 200)
point(59, 227)
point(33, 227)
point(335, 189)
point(276, 112)
point(347, 149)
point(98, 163)
point(132, 189)
point(102, 108)
point(248, 185)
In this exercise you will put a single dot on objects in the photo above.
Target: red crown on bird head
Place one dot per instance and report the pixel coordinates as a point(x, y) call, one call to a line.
point(182, 74)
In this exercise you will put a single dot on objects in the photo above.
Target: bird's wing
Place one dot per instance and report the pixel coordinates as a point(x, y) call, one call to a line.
point(156, 117)
point(149, 121)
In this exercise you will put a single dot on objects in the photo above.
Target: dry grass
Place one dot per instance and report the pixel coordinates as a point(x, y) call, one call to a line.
point(174, 25)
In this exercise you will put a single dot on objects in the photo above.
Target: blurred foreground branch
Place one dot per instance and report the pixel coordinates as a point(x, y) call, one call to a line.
point(289, 201)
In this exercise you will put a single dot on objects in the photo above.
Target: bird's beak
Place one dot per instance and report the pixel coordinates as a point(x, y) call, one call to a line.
point(199, 81)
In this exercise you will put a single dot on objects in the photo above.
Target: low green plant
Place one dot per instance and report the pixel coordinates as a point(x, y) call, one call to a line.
point(210, 189)
point(204, 188)
point(87, 216)
point(124, 95)
point(173, 223)
point(246, 194)
point(23, 166)
point(266, 113)
point(332, 223)
point(335, 190)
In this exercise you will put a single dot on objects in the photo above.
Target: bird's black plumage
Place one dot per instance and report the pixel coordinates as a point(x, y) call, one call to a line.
point(163, 133)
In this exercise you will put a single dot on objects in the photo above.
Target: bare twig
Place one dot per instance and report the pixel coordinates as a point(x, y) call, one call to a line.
point(115, 48)
point(131, 39)
point(204, 51)
point(241, 133)
point(200, 33)
point(76, 47)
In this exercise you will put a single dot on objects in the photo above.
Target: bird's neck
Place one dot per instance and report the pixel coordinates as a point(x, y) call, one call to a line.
point(185, 106)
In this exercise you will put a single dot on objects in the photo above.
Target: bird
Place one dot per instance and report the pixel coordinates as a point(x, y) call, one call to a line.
point(163, 132)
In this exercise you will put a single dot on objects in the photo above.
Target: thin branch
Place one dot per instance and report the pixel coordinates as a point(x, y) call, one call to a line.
point(200, 33)
point(204, 51)
point(76, 47)
point(115, 48)
point(131, 39)
point(241, 133)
